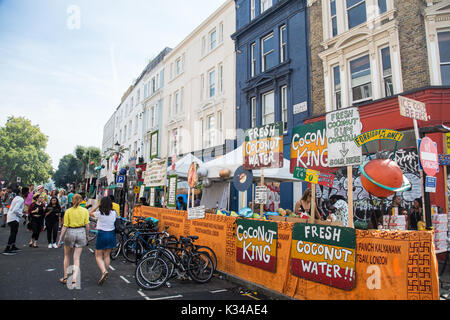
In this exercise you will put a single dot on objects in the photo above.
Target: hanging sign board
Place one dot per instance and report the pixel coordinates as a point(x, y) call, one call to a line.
point(263, 147)
point(196, 213)
point(156, 173)
point(309, 146)
point(154, 144)
point(342, 127)
point(313, 176)
point(378, 134)
point(412, 109)
point(172, 194)
point(260, 194)
point(256, 243)
point(324, 254)
point(444, 159)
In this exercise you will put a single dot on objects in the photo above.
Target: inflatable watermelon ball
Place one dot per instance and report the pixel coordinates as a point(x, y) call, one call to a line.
point(387, 175)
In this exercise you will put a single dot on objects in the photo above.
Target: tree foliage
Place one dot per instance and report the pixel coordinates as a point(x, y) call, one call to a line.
point(22, 152)
point(87, 155)
point(65, 172)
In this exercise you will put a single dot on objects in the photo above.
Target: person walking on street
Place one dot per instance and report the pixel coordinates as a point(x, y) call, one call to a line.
point(2, 204)
point(63, 202)
point(28, 201)
point(15, 212)
point(69, 198)
point(52, 213)
point(36, 212)
point(75, 233)
point(106, 237)
point(9, 196)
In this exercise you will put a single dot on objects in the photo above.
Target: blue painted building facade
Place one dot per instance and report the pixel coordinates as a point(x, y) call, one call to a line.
point(272, 69)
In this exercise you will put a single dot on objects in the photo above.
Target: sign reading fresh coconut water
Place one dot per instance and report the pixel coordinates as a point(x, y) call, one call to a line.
point(256, 243)
point(342, 127)
point(324, 254)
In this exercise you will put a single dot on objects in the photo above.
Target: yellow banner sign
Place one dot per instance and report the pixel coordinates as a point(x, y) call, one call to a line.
point(378, 134)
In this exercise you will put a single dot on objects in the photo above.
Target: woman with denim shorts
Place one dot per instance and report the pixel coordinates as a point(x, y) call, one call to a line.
point(106, 236)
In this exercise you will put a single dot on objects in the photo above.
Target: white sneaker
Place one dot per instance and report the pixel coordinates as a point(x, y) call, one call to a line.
point(55, 246)
point(50, 246)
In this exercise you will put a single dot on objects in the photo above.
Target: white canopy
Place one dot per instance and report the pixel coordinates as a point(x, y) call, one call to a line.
point(234, 160)
point(182, 165)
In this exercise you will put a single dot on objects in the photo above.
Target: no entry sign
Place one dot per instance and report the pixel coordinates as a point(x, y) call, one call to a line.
point(429, 156)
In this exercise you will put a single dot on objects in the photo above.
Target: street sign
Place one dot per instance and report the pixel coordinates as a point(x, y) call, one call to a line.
point(196, 213)
point(429, 156)
point(412, 109)
point(120, 179)
point(430, 184)
point(313, 176)
point(342, 127)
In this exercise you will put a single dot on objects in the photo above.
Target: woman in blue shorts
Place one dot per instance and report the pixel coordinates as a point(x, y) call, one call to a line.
point(106, 238)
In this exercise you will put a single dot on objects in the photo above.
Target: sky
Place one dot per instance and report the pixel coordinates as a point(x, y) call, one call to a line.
point(65, 64)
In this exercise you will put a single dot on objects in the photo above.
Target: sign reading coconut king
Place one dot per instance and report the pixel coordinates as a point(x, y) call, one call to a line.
point(256, 243)
point(324, 254)
point(263, 147)
point(342, 127)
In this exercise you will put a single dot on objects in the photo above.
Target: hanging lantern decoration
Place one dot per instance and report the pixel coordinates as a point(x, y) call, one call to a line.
point(224, 173)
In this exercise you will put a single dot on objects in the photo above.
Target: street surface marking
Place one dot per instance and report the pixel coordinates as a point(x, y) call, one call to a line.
point(124, 279)
point(143, 295)
point(112, 268)
point(164, 298)
point(249, 295)
point(220, 290)
point(91, 250)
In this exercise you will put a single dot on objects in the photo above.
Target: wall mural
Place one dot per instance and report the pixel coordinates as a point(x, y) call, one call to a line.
point(365, 204)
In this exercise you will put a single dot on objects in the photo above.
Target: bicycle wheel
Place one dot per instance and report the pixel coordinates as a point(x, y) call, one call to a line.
point(92, 231)
point(200, 267)
point(164, 254)
point(209, 251)
point(151, 273)
point(130, 249)
point(116, 251)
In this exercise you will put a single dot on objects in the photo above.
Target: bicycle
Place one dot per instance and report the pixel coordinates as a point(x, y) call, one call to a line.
point(186, 261)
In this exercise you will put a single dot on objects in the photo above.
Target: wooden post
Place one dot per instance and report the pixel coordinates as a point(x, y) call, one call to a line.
point(312, 215)
point(350, 196)
point(416, 132)
point(193, 196)
point(253, 197)
point(261, 207)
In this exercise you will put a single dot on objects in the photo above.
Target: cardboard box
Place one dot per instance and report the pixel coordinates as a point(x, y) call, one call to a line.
point(440, 236)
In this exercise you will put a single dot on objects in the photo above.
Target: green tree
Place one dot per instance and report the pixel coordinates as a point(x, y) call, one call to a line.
point(69, 171)
point(86, 155)
point(22, 152)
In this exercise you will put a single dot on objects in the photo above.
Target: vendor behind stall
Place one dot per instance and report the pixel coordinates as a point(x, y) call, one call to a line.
point(415, 214)
point(303, 206)
point(395, 208)
point(340, 208)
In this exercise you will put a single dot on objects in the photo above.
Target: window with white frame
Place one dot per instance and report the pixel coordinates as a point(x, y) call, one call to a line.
point(153, 117)
point(268, 52)
point(202, 86)
point(283, 106)
point(178, 66)
point(337, 104)
point(220, 125)
point(212, 83)
point(333, 18)
point(173, 142)
point(210, 130)
point(125, 133)
point(356, 13)
point(130, 125)
point(283, 42)
point(212, 40)
point(176, 102)
point(220, 78)
point(252, 59)
point(382, 6)
point(268, 108)
point(388, 86)
point(203, 46)
point(181, 99)
point(138, 96)
point(136, 124)
point(265, 4)
point(361, 84)
point(145, 90)
point(444, 55)
point(253, 112)
point(202, 140)
point(153, 85)
point(132, 103)
point(252, 9)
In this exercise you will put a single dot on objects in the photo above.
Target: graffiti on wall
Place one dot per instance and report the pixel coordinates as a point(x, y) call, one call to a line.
point(408, 161)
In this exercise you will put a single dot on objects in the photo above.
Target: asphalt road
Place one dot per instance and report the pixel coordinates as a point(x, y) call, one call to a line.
point(33, 273)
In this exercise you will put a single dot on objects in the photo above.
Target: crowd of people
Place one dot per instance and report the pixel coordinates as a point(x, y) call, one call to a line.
point(64, 211)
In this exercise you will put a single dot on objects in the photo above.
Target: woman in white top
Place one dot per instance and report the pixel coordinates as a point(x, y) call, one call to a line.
point(106, 238)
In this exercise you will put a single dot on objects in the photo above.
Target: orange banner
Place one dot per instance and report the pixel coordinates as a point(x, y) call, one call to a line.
point(390, 265)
